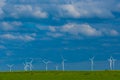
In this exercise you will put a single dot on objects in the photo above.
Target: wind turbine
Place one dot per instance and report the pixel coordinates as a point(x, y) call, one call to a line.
point(10, 67)
point(63, 63)
point(92, 63)
point(46, 64)
point(26, 66)
point(30, 64)
point(111, 63)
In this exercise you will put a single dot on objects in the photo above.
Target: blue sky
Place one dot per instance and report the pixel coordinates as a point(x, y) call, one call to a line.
point(47, 29)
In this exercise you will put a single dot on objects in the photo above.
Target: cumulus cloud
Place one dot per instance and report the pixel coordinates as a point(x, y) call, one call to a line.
point(114, 32)
point(80, 29)
point(2, 4)
point(87, 8)
point(27, 11)
point(7, 26)
point(52, 29)
point(71, 10)
point(87, 30)
point(25, 37)
point(64, 8)
point(110, 32)
point(76, 9)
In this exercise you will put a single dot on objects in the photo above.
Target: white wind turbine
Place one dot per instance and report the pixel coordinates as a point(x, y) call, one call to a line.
point(63, 63)
point(10, 67)
point(92, 63)
point(111, 63)
point(30, 64)
point(26, 66)
point(46, 64)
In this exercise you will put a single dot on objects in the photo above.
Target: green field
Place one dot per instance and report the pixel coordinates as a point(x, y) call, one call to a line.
point(59, 75)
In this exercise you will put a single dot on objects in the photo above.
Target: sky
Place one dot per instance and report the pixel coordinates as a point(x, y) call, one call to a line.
point(49, 29)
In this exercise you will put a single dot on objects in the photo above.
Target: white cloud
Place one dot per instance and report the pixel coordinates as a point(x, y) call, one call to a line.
point(80, 29)
point(52, 29)
point(18, 37)
point(2, 4)
point(114, 32)
point(87, 8)
point(39, 13)
point(27, 11)
point(87, 30)
point(71, 10)
point(76, 9)
point(110, 32)
point(6, 26)
point(71, 28)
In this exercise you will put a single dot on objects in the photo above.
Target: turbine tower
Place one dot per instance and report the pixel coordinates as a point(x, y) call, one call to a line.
point(92, 63)
point(46, 64)
point(63, 63)
point(30, 64)
point(10, 67)
point(113, 63)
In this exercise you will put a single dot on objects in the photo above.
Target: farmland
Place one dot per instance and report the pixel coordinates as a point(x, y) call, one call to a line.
point(60, 75)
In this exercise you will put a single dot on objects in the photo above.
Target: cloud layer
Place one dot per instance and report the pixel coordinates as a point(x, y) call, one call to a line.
point(59, 19)
point(18, 37)
point(62, 9)
point(84, 30)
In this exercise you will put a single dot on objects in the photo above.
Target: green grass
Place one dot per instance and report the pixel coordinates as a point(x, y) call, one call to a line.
point(68, 75)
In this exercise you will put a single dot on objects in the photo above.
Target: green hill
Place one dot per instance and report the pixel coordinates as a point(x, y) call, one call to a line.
point(59, 75)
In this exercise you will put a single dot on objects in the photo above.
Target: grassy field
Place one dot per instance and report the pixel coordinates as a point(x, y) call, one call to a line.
point(68, 75)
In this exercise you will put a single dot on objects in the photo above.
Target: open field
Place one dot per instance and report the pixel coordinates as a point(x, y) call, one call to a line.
point(59, 75)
